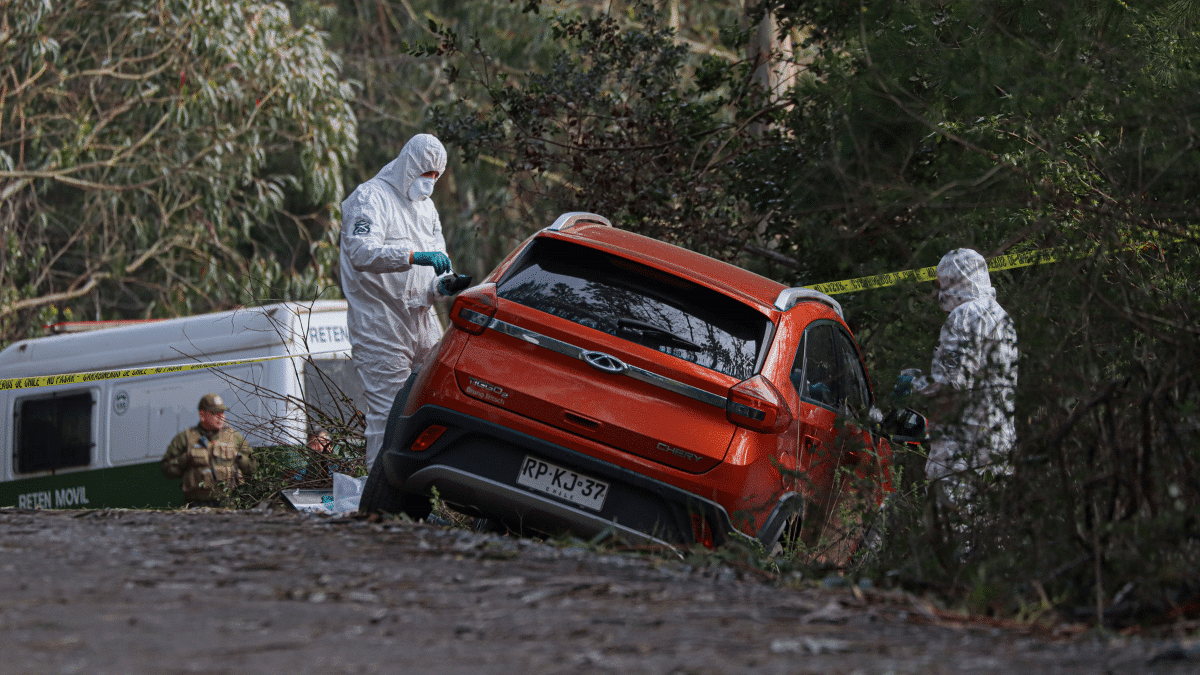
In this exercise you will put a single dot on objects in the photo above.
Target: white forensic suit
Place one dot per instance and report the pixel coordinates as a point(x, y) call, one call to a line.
point(391, 317)
point(975, 364)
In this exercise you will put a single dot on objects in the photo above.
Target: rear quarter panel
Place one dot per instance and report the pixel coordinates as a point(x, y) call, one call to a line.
point(807, 457)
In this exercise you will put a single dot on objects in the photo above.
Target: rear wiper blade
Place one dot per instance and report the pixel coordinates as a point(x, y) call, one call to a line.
point(649, 330)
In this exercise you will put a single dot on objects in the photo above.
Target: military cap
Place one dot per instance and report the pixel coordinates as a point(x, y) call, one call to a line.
point(213, 403)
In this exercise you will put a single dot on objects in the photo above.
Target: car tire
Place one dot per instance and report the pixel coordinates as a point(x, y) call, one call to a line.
point(418, 507)
point(378, 495)
point(788, 541)
point(488, 526)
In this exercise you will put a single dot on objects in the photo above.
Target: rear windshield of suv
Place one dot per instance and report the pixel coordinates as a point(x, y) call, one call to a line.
point(640, 304)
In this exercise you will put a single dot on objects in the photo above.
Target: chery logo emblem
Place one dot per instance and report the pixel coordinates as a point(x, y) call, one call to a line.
point(679, 452)
point(604, 362)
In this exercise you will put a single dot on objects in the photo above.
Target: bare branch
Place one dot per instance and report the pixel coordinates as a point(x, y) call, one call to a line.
point(53, 298)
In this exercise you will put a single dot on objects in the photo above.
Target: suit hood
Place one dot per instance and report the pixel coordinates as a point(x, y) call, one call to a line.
point(420, 154)
point(963, 277)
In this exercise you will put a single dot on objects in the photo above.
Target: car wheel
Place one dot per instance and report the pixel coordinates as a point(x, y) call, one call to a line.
point(788, 544)
point(488, 526)
point(834, 539)
point(378, 495)
point(418, 507)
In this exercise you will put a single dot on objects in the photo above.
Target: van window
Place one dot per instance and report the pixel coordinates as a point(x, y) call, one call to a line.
point(640, 304)
point(54, 433)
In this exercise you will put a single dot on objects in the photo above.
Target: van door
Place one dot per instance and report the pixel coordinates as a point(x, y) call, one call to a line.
point(144, 420)
point(145, 415)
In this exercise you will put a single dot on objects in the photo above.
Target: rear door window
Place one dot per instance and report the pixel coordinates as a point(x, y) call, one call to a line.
point(856, 393)
point(828, 370)
point(640, 304)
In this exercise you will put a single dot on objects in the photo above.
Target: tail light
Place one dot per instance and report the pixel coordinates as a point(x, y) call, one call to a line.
point(702, 532)
point(474, 308)
point(756, 404)
point(428, 437)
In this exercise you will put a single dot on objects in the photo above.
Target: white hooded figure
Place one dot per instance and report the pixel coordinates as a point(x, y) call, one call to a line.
point(392, 251)
point(975, 369)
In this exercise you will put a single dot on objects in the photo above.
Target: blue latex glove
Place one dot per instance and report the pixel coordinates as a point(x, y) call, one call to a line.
point(440, 262)
point(903, 387)
point(820, 391)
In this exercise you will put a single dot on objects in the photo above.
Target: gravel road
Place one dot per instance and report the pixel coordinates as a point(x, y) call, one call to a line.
point(131, 592)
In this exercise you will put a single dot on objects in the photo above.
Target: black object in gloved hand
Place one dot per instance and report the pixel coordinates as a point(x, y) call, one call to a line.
point(453, 284)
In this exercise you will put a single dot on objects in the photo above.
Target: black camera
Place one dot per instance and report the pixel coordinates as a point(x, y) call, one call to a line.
point(455, 283)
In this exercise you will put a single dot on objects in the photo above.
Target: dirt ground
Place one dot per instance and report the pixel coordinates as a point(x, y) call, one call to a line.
point(130, 592)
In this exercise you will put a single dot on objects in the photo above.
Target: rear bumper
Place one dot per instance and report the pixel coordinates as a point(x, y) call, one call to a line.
point(474, 466)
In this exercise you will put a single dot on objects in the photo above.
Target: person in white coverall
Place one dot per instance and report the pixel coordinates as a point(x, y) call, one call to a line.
point(972, 383)
point(393, 266)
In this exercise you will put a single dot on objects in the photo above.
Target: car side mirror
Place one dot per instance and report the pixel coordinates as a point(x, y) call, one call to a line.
point(905, 426)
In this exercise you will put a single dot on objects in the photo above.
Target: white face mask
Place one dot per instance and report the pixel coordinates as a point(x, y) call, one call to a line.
point(421, 188)
point(946, 302)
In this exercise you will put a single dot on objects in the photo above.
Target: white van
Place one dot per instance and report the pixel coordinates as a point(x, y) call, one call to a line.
point(97, 443)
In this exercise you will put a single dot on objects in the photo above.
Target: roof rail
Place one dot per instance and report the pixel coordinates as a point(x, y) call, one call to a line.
point(788, 298)
point(568, 220)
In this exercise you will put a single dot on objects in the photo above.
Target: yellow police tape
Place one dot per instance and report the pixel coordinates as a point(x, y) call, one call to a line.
point(97, 375)
point(1000, 262)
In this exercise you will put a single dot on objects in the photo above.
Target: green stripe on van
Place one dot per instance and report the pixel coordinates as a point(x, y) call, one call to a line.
point(134, 486)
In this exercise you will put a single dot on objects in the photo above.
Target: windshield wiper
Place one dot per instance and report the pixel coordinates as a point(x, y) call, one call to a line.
point(661, 335)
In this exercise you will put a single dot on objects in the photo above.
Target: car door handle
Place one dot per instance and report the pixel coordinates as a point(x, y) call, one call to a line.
point(807, 443)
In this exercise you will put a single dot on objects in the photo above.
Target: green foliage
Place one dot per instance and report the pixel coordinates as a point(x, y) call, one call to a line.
point(291, 467)
point(912, 129)
point(164, 158)
point(137, 180)
point(612, 125)
point(428, 66)
point(396, 54)
point(1010, 126)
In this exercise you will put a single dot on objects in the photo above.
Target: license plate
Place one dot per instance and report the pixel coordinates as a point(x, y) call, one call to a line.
point(564, 483)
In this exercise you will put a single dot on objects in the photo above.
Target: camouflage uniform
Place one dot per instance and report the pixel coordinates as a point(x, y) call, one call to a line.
point(210, 462)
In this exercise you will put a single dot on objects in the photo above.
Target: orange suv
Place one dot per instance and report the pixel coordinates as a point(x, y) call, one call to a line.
point(601, 381)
